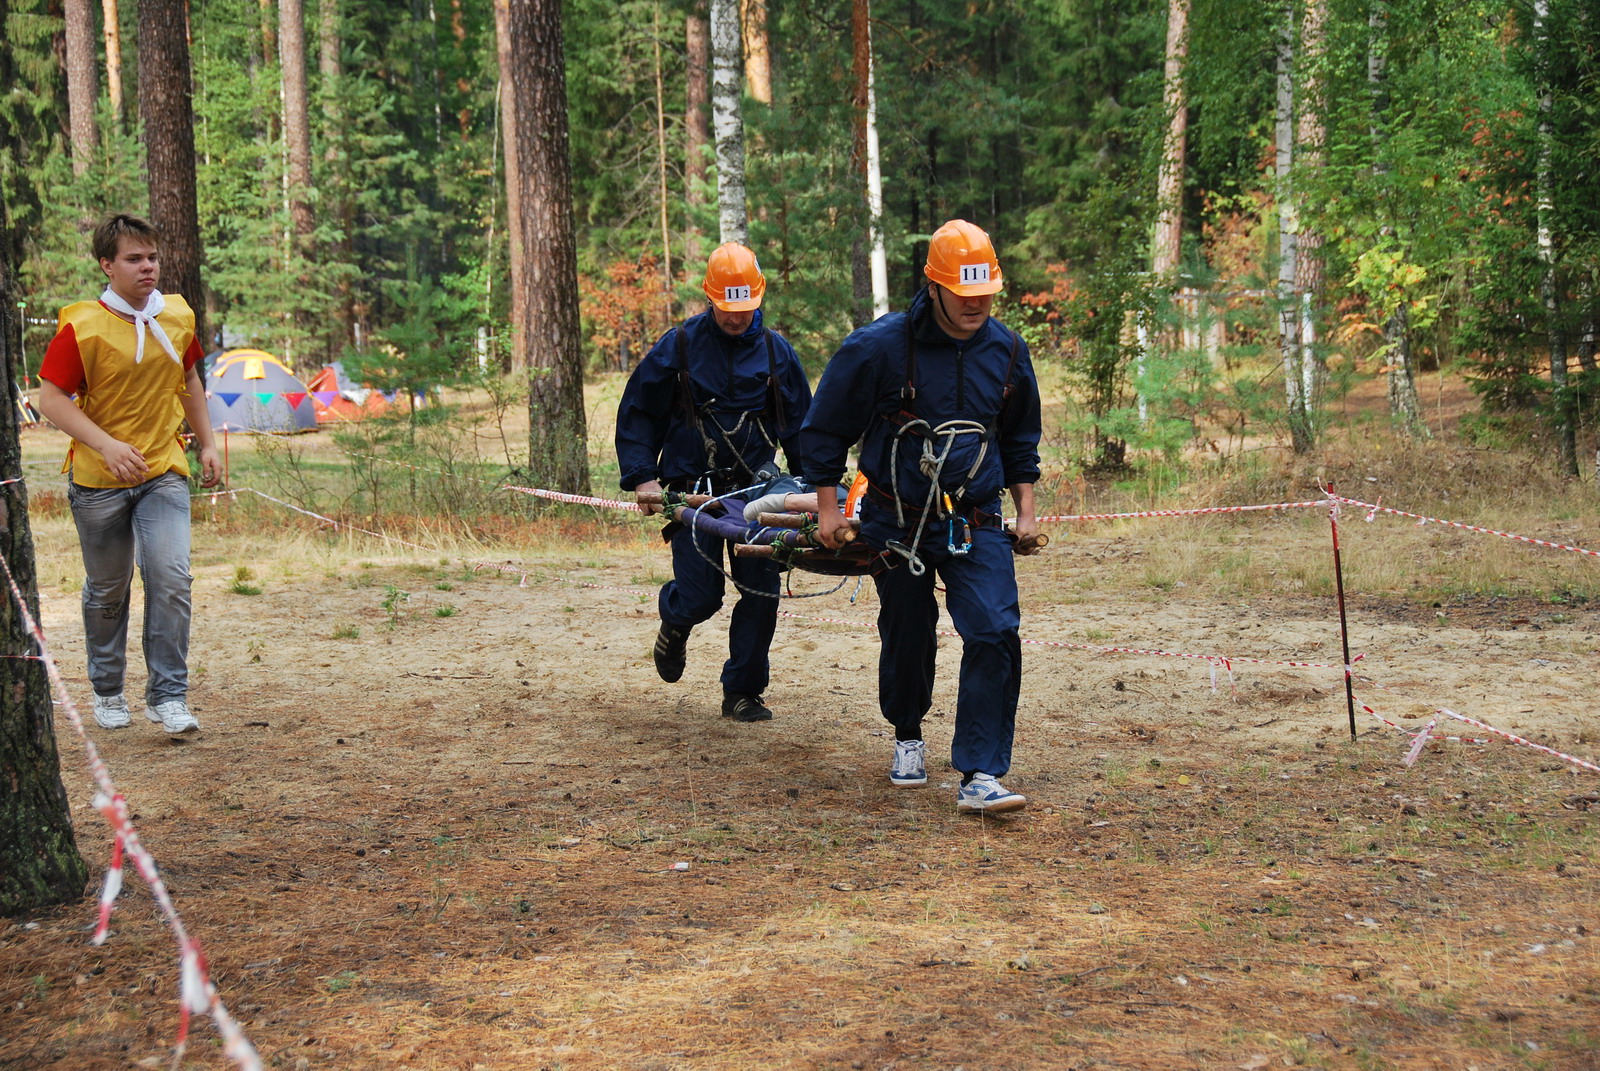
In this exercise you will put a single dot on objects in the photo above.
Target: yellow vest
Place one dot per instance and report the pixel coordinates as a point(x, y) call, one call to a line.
point(139, 404)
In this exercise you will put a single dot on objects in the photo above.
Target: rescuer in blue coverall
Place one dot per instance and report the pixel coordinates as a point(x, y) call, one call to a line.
point(947, 402)
point(705, 411)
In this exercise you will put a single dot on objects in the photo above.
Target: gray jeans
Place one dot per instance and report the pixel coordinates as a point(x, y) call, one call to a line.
point(118, 526)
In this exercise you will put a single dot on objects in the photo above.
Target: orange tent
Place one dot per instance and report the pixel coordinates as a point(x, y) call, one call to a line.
point(334, 401)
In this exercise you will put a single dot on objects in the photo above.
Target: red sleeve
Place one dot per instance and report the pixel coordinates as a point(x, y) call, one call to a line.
point(192, 356)
point(63, 364)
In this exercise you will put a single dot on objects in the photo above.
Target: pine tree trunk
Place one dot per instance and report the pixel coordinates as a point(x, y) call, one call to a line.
point(860, 91)
point(1549, 291)
point(113, 31)
point(727, 121)
point(513, 165)
point(83, 86)
point(269, 39)
point(336, 194)
point(757, 49)
point(296, 118)
point(1168, 243)
point(39, 860)
point(661, 176)
point(165, 110)
point(558, 451)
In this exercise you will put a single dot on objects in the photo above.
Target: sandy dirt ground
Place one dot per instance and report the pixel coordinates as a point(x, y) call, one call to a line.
point(443, 815)
point(494, 839)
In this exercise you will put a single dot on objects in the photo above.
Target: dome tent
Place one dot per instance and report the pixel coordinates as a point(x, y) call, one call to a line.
point(335, 398)
point(253, 391)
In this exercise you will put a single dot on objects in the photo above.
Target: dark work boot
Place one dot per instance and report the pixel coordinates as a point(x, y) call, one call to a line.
point(669, 652)
point(741, 707)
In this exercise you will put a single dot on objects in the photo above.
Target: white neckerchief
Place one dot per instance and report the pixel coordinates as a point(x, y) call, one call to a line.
point(142, 319)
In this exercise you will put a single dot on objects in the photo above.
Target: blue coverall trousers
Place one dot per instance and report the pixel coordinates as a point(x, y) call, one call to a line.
point(981, 595)
point(695, 593)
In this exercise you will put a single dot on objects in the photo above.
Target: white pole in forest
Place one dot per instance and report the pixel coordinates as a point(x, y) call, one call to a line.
point(880, 259)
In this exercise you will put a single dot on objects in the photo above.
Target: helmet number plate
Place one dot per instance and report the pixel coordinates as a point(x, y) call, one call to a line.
point(742, 293)
point(974, 273)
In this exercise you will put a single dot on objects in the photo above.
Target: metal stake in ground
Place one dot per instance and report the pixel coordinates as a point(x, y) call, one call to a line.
point(1344, 626)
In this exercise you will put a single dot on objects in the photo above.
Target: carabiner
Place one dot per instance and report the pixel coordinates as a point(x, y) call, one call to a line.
point(966, 536)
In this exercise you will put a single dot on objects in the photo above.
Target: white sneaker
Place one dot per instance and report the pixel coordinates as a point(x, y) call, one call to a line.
point(174, 717)
point(908, 770)
point(110, 711)
point(984, 795)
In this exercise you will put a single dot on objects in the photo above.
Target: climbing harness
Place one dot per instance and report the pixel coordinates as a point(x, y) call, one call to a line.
point(700, 416)
point(938, 442)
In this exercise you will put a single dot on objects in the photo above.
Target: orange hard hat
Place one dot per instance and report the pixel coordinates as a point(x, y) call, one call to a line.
point(734, 282)
point(961, 259)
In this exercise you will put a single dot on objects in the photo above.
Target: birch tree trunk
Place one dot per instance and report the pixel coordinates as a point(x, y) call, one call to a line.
point(83, 85)
point(518, 350)
point(1168, 244)
point(697, 85)
point(757, 49)
point(558, 445)
point(727, 122)
point(296, 118)
point(1586, 339)
point(1544, 181)
point(1311, 140)
point(1404, 408)
point(112, 27)
point(165, 94)
point(39, 860)
point(1288, 227)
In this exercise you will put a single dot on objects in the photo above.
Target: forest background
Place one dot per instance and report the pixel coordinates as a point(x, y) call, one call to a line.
point(1323, 185)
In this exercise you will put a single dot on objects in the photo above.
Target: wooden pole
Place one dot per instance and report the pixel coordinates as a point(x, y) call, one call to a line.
point(1344, 625)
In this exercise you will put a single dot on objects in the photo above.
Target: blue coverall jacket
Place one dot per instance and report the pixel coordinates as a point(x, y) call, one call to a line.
point(955, 380)
point(657, 439)
point(861, 396)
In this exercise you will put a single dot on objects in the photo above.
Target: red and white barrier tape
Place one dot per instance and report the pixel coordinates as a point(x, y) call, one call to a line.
point(537, 492)
point(196, 991)
point(1426, 733)
point(575, 500)
point(1375, 508)
point(1522, 741)
point(1419, 742)
point(236, 491)
point(1068, 518)
point(1214, 661)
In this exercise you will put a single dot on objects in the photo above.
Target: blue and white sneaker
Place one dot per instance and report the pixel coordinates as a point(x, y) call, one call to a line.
point(984, 795)
point(908, 770)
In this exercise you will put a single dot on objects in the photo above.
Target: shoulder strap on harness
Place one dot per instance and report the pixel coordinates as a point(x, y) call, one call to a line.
point(908, 391)
point(686, 398)
point(774, 392)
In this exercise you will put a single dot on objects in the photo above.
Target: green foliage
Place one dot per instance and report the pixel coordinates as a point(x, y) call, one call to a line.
point(1042, 121)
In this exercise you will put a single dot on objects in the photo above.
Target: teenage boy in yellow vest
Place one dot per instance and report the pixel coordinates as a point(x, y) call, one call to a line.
point(133, 361)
